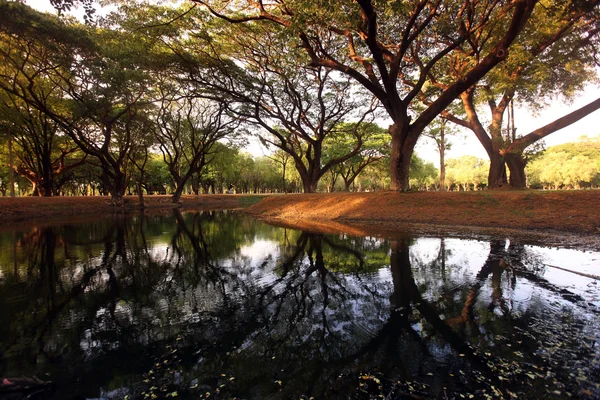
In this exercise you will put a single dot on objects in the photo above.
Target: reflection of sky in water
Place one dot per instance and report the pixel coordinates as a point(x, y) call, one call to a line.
point(291, 293)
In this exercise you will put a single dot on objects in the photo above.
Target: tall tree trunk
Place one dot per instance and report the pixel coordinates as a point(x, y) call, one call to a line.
point(497, 173)
point(516, 165)
point(177, 193)
point(11, 170)
point(117, 190)
point(309, 177)
point(140, 193)
point(442, 150)
point(46, 187)
point(309, 185)
point(402, 150)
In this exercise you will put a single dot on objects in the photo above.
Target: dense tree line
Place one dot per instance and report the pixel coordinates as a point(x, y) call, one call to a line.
point(568, 166)
point(159, 98)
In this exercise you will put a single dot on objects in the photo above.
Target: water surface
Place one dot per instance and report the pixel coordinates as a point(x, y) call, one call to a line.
point(217, 305)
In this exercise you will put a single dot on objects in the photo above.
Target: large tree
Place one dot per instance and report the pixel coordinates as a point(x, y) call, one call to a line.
point(295, 108)
point(103, 77)
point(394, 49)
point(43, 155)
point(188, 131)
point(555, 56)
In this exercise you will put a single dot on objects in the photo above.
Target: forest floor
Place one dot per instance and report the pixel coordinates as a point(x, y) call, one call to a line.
point(574, 212)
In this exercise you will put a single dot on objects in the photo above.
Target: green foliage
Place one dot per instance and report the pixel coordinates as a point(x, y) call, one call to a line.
point(466, 172)
point(571, 165)
point(375, 147)
point(422, 174)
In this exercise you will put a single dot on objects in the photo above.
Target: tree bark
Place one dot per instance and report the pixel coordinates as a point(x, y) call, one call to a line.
point(177, 193)
point(497, 173)
point(403, 146)
point(516, 165)
point(117, 190)
point(442, 149)
point(10, 170)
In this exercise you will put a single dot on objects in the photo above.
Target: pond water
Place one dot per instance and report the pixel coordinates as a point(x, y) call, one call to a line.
point(218, 305)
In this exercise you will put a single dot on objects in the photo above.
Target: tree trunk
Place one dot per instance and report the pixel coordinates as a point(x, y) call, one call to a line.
point(497, 174)
point(177, 194)
point(442, 151)
point(118, 190)
point(309, 185)
point(10, 169)
point(516, 166)
point(46, 187)
point(116, 199)
point(140, 193)
point(309, 177)
point(402, 150)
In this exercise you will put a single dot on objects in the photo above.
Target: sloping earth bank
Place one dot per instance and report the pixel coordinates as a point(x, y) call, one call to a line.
point(574, 215)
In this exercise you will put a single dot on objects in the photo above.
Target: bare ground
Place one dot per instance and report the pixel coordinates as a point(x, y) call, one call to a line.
point(576, 213)
point(555, 217)
point(47, 210)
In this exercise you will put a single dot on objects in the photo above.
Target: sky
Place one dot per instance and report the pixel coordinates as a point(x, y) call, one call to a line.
point(466, 143)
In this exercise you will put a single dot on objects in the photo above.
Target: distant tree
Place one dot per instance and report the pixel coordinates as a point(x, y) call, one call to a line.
point(466, 172)
point(438, 131)
point(102, 77)
point(223, 169)
point(422, 174)
point(571, 165)
point(188, 130)
point(282, 160)
point(157, 179)
point(42, 154)
point(374, 177)
point(295, 108)
point(375, 147)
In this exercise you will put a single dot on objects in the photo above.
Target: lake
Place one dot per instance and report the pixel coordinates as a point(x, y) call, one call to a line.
point(218, 305)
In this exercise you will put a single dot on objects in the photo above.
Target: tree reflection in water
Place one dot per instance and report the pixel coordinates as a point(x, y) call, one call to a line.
point(146, 306)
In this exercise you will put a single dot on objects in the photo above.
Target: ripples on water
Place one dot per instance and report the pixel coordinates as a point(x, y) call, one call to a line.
point(216, 305)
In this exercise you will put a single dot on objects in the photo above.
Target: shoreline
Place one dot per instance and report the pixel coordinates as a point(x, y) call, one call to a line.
point(42, 211)
point(513, 213)
point(562, 219)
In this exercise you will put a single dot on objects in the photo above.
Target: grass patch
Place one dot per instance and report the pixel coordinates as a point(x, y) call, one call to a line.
point(248, 201)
